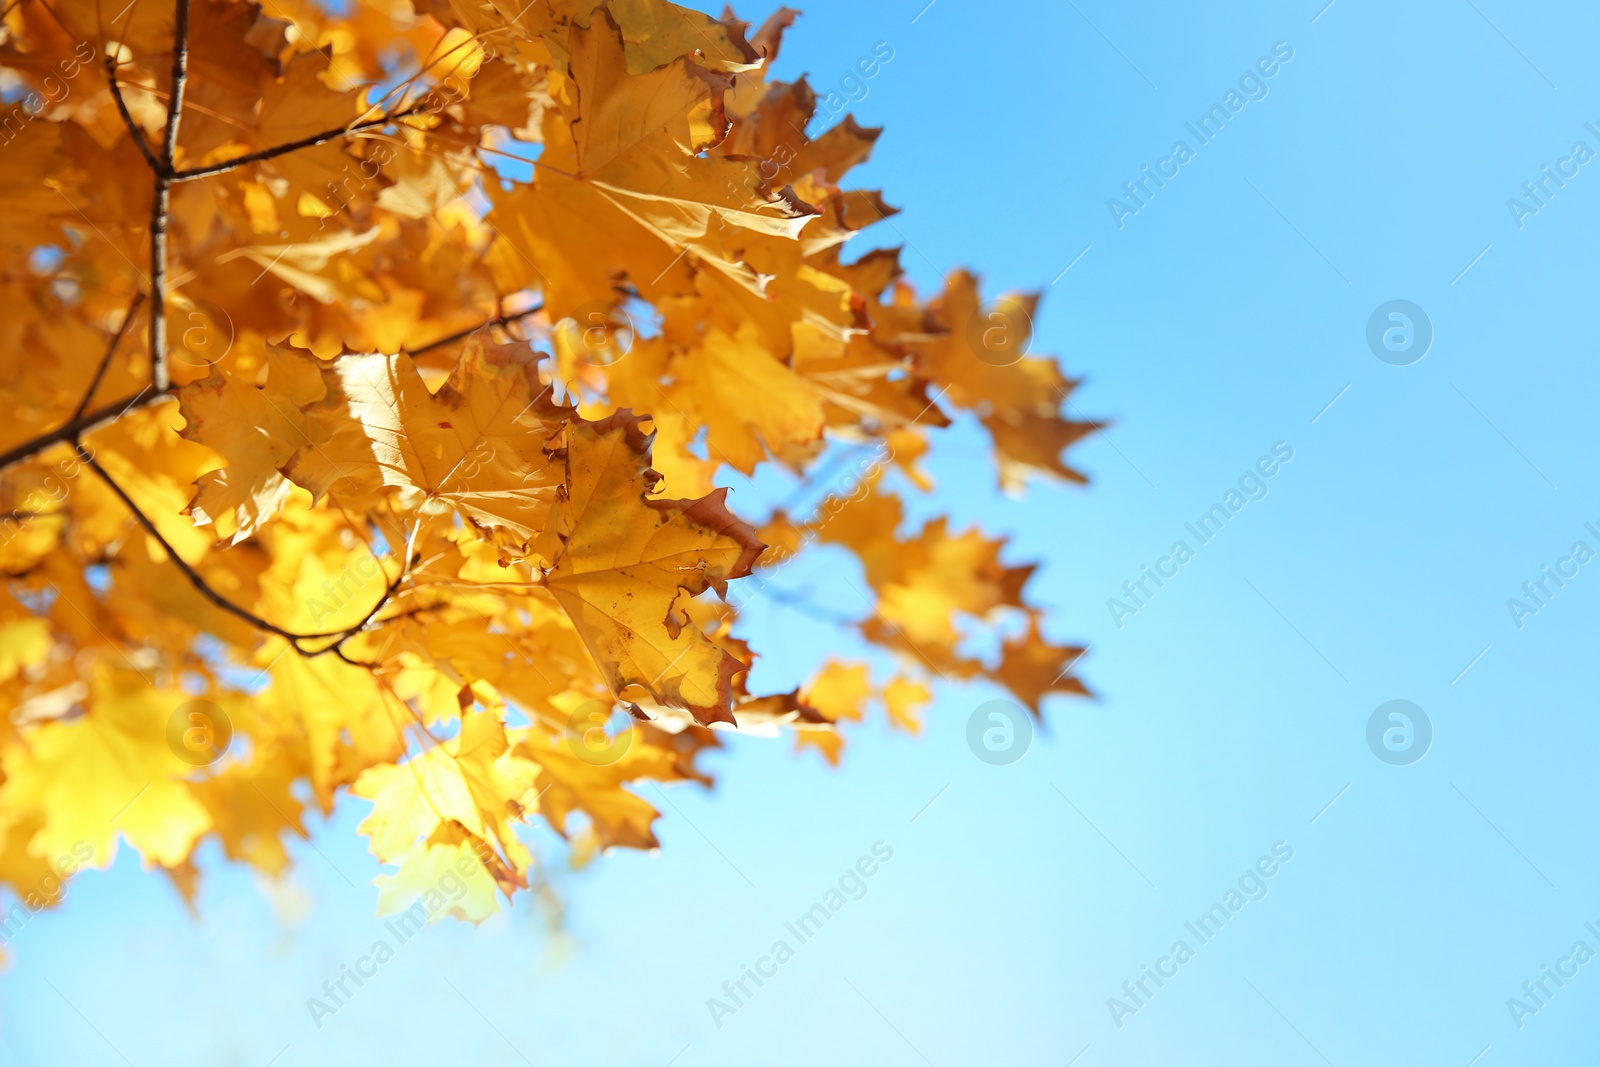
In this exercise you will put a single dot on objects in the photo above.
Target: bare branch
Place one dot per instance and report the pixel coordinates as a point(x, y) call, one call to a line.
point(122, 109)
point(800, 602)
point(160, 378)
point(337, 651)
point(294, 146)
point(111, 350)
point(84, 422)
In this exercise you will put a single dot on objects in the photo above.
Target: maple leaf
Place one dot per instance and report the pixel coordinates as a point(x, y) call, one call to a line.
point(477, 445)
point(430, 872)
point(1032, 667)
point(257, 431)
point(473, 781)
point(97, 778)
point(904, 698)
point(983, 360)
point(568, 782)
point(621, 564)
point(749, 402)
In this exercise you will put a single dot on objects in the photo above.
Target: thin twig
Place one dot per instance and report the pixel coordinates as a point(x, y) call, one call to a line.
point(337, 647)
point(204, 589)
point(814, 478)
point(111, 350)
point(82, 421)
point(178, 561)
point(190, 105)
point(337, 651)
point(122, 109)
point(180, 79)
point(799, 602)
point(293, 146)
point(498, 320)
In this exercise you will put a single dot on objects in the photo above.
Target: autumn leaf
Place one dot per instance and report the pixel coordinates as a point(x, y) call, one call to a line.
point(97, 778)
point(474, 781)
point(622, 563)
point(257, 430)
point(477, 445)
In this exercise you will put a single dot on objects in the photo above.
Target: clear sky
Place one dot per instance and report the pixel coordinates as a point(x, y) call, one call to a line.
point(1225, 317)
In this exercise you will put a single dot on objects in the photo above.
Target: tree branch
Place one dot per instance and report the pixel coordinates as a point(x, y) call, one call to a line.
point(498, 320)
point(160, 379)
point(180, 80)
point(84, 422)
point(189, 572)
point(160, 202)
point(204, 589)
point(293, 146)
point(337, 647)
point(24, 515)
point(76, 427)
point(337, 651)
point(122, 109)
point(803, 604)
point(111, 350)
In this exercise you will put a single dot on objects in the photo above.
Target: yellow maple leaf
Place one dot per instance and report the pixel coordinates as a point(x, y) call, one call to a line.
point(621, 563)
point(473, 780)
point(257, 431)
point(99, 776)
point(904, 698)
point(476, 446)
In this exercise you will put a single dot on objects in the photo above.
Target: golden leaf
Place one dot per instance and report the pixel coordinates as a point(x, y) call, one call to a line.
point(621, 565)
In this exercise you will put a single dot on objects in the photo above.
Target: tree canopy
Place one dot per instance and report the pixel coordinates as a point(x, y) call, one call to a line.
point(375, 380)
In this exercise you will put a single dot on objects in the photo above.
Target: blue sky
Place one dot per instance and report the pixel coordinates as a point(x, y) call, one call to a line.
point(1228, 314)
